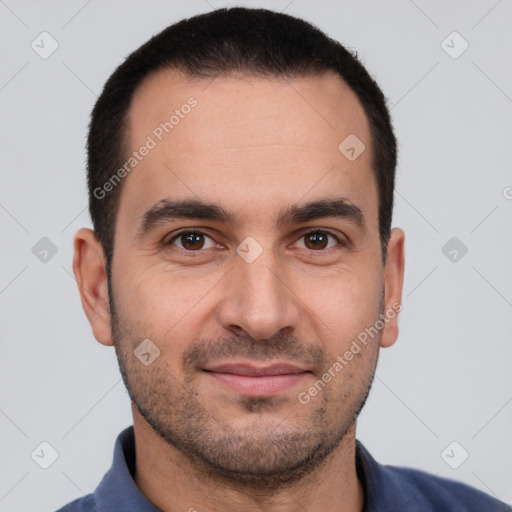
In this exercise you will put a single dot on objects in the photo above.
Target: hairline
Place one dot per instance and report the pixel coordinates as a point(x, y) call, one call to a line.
point(124, 132)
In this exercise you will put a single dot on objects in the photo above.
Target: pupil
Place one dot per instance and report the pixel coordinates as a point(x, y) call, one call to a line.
point(317, 239)
point(193, 240)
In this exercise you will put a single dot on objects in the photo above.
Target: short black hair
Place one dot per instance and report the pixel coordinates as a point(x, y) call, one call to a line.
point(256, 42)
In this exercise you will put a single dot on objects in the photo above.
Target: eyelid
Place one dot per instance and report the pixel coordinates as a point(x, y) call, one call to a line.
point(186, 231)
point(342, 241)
point(328, 231)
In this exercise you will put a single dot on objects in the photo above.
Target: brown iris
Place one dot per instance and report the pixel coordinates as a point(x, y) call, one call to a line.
point(316, 240)
point(192, 241)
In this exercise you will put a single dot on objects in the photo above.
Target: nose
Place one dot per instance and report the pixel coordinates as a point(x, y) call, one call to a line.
point(258, 300)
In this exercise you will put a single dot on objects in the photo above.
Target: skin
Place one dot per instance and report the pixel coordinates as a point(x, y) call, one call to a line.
point(255, 147)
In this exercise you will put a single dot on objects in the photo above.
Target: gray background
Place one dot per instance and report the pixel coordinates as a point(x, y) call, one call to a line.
point(448, 378)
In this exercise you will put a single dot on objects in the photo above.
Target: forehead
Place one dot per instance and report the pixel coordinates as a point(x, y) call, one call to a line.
point(251, 104)
point(232, 136)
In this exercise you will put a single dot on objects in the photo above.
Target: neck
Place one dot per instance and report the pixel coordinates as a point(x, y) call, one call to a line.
point(172, 483)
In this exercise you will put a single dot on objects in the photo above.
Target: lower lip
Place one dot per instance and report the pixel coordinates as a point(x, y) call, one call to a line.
point(262, 385)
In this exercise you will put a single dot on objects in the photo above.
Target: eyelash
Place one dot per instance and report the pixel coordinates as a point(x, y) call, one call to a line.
point(191, 231)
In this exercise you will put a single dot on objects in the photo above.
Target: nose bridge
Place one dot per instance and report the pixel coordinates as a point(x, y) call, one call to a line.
point(260, 302)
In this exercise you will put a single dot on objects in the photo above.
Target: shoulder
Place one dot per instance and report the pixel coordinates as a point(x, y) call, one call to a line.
point(84, 504)
point(430, 492)
point(391, 488)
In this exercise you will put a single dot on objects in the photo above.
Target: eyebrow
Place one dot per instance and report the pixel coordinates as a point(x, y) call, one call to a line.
point(167, 210)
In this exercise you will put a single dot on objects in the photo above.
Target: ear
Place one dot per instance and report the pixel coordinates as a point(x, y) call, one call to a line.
point(89, 267)
point(393, 283)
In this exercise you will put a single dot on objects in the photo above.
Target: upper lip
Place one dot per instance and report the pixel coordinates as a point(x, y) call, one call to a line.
point(252, 370)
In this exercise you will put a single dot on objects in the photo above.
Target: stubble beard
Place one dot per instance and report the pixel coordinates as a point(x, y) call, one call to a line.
point(265, 457)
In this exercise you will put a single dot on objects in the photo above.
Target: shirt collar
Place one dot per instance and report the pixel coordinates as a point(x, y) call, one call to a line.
point(117, 490)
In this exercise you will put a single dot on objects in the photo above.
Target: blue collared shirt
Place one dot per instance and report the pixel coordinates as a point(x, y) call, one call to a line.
point(386, 488)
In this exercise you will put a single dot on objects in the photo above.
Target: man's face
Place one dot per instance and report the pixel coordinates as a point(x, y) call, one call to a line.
point(263, 293)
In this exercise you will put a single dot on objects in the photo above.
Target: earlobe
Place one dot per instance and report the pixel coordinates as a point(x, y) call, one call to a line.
point(89, 267)
point(393, 283)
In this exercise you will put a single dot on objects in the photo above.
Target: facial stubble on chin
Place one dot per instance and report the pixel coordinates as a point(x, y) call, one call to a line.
point(269, 455)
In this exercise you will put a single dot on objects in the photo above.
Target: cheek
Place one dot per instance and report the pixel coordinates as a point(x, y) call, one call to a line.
point(343, 303)
point(157, 304)
point(164, 303)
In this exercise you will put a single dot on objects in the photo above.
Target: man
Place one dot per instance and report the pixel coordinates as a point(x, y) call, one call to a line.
point(241, 171)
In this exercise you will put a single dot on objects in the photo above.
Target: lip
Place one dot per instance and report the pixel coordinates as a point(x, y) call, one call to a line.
point(257, 381)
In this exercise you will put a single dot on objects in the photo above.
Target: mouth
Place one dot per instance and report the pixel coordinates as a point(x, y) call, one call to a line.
point(257, 381)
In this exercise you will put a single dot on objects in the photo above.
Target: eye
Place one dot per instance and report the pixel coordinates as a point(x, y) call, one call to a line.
point(319, 240)
point(191, 240)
